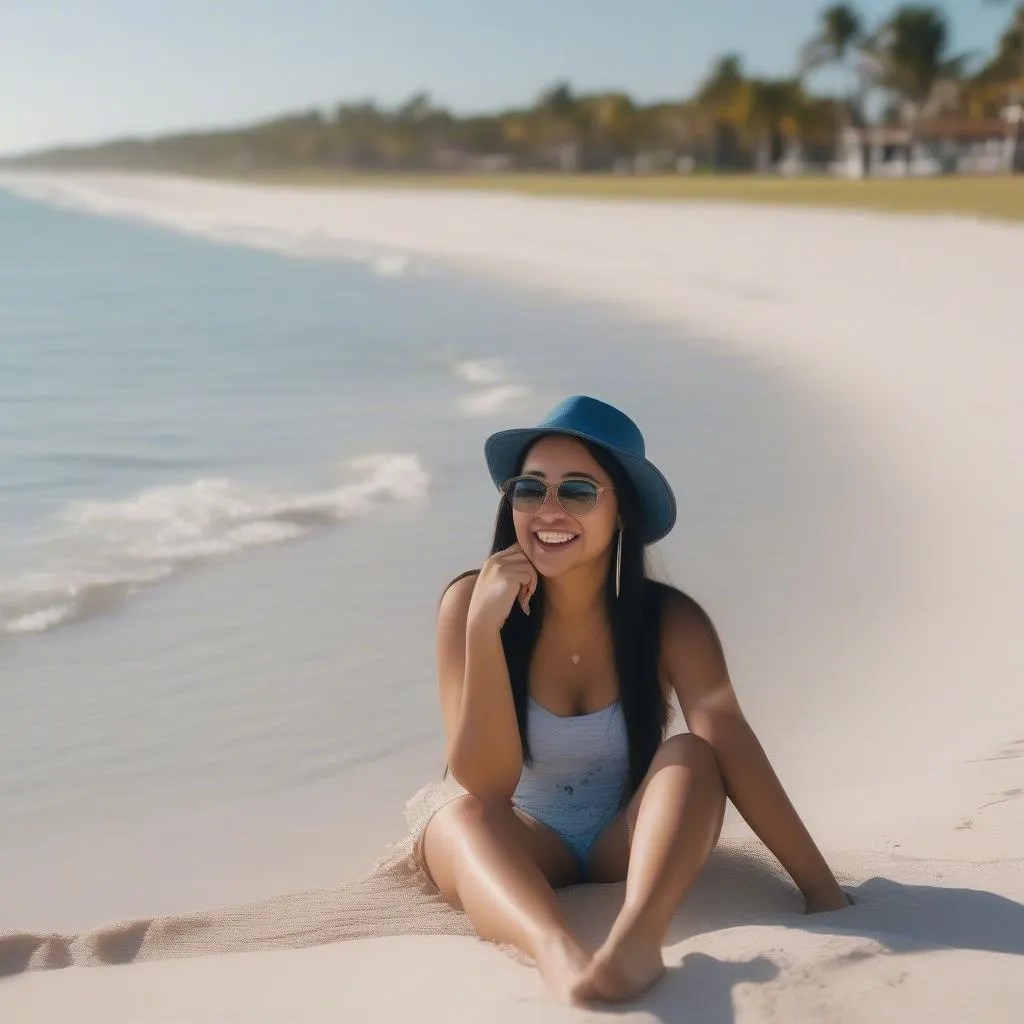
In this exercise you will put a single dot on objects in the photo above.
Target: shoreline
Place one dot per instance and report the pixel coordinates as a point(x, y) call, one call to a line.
point(996, 197)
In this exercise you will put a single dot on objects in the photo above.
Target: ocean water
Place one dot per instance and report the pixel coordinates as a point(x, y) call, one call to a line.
point(232, 485)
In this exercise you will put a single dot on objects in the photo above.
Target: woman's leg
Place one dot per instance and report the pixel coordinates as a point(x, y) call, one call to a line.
point(500, 868)
point(675, 818)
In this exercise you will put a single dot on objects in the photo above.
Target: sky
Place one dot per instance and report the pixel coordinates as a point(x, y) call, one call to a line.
point(85, 70)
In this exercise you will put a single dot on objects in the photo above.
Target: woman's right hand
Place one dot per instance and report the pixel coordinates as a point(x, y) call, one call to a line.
point(506, 576)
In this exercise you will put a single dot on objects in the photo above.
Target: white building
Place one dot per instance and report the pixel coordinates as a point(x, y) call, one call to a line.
point(934, 147)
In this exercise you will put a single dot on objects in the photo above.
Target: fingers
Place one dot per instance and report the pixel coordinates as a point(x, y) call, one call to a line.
point(518, 567)
point(513, 553)
point(528, 589)
point(514, 560)
point(526, 579)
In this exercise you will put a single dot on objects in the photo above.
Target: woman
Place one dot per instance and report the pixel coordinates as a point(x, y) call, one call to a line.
point(556, 662)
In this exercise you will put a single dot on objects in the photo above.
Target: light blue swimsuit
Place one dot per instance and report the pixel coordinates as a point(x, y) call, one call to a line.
point(579, 773)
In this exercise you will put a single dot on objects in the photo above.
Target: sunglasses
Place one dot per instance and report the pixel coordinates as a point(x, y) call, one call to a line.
point(576, 497)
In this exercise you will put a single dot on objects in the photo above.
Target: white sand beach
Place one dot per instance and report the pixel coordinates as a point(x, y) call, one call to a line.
point(882, 670)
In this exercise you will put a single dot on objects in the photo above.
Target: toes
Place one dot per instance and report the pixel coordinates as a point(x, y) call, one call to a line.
point(585, 990)
point(563, 979)
point(615, 982)
point(596, 984)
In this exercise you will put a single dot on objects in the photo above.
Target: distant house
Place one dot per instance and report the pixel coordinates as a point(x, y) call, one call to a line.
point(934, 147)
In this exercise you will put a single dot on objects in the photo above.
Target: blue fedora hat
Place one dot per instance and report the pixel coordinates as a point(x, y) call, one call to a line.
point(604, 425)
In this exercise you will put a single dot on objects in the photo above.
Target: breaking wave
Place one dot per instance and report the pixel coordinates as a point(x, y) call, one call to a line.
point(99, 552)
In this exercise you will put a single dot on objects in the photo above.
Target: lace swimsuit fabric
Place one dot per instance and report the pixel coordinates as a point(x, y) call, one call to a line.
point(579, 773)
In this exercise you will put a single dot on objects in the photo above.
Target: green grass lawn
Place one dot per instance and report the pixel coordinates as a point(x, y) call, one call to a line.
point(996, 197)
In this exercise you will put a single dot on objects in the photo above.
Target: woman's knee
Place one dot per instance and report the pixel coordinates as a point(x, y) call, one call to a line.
point(693, 752)
point(442, 837)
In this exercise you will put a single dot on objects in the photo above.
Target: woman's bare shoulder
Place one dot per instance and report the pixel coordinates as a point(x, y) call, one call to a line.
point(692, 659)
point(676, 609)
point(684, 625)
point(457, 594)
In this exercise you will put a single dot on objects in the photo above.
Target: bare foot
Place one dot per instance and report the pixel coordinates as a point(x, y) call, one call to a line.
point(561, 963)
point(619, 972)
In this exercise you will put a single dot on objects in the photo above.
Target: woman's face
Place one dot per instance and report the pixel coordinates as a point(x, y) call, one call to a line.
point(555, 541)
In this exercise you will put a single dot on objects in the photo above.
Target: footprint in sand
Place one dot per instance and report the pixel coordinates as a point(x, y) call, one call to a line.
point(1005, 796)
point(967, 823)
point(1014, 749)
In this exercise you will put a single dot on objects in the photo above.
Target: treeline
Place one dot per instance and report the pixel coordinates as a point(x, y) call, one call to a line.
point(903, 67)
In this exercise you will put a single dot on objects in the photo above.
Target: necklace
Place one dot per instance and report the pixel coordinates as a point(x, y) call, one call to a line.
point(574, 656)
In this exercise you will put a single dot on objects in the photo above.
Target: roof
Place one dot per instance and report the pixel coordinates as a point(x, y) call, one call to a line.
point(963, 130)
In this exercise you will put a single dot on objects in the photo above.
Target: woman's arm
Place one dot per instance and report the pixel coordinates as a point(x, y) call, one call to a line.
point(693, 659)
point(485, 753)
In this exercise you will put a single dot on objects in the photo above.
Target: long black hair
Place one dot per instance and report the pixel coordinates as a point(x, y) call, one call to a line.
point(635, 619)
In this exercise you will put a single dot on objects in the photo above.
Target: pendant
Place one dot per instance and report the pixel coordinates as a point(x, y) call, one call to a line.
point(575, 659)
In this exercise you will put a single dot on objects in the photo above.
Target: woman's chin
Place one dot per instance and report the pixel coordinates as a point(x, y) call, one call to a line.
point(546, 566)
point(551, 565)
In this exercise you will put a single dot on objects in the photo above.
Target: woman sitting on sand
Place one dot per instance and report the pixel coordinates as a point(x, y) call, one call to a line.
point(557, 661)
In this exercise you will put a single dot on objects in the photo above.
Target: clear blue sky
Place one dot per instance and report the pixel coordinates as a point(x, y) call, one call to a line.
point(82, 70)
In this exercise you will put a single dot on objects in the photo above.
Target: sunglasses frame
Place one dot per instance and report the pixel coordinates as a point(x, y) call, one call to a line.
point(549, 487)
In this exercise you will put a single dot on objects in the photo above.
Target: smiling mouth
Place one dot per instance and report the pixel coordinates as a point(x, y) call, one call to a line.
point(555, 540)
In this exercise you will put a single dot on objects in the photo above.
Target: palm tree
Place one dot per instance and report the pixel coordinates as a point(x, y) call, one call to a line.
point(773, 105)
point(910, 52)
point(1006, 68)
point(1008, 62)
point(725, 97)
point(840, 35)
point(839, 43)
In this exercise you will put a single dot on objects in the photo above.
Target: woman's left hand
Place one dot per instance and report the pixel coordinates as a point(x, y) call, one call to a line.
point(832, 898)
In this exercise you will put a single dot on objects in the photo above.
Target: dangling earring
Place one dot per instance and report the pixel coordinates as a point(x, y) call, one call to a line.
point(618, 564)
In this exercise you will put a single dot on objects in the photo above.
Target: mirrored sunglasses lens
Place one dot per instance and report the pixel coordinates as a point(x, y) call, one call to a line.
point(577, 496)
point(526, 495)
